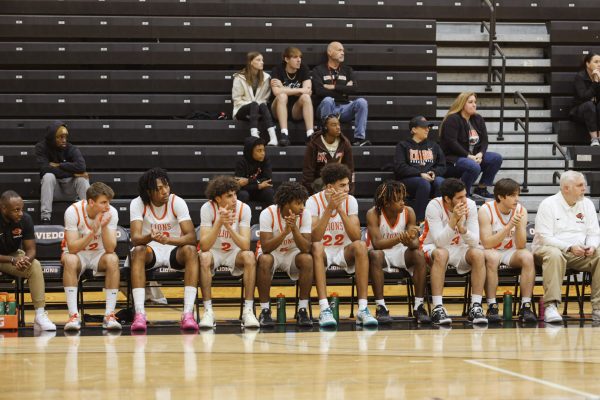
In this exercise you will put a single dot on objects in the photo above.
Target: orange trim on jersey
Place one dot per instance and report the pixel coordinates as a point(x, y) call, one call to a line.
point(347, 200)
point(144, 212)
point(214, 211)
point(77, 213)
point(272, 218)
point(241, 211)
point(388, 222)
point(491, 212)
point(324, 206)
point(84, 212)
point(173, 197)
point(164, 214)
point(316, 200)
point(500, 216)
point(423, 235)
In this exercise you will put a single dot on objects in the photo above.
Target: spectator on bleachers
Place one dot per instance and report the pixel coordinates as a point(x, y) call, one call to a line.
point(253, 173)
point(394, 241)
point(90, 243)
point(17, 254)
point(225, 241)
point(586, 105)
point(163, 235)
point(250, 94)
point(62, 169)
point(285, 243)
point(567, 235)
point(419, 163)
point(503, 234)
point(292, 89)
point(451, 237)
point(464, 140)
point(337, 241)
point(333, 82)
point(327, 146)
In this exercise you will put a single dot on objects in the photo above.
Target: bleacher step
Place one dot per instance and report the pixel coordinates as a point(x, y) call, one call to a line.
point(481, 88)
point(440, 113)
point(505, 32)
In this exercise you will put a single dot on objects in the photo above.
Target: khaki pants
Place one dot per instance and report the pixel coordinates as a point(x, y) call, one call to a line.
point(554, 264)
point(34, 277)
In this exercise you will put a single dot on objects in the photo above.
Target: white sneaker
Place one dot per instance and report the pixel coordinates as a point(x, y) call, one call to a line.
point(43, 323)
point(596, 315)
point(595, 142)
point(73, 324)
point(110, 322)
point(365, 318)
point(249, 319)
point(208, 320)
point(551, 314)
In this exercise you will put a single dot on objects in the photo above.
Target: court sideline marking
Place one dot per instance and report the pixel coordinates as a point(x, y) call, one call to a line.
point(532, 379)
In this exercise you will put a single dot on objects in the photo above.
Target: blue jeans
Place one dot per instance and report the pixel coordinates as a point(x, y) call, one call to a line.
point(356, 110)
point(468, 170)
point(421, 191)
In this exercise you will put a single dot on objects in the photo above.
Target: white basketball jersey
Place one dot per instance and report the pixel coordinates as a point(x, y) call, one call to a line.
point(499, 221)
point(77, 219)
point(391, 229)
point(335, 234)
point(272, 221)
point(208, 215)
point(164, 219)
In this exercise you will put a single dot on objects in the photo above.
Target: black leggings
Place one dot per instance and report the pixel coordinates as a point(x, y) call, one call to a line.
point(264, 196)
point(253, 111)
point(588, 113)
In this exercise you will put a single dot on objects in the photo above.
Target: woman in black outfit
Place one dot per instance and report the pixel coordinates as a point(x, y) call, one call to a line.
point(586, 105)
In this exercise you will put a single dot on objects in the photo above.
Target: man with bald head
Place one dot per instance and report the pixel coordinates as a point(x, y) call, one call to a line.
point(333, 83)
point(17, 253)
point(567, 235)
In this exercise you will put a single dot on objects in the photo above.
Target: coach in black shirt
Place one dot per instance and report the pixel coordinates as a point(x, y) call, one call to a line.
point(17, 253)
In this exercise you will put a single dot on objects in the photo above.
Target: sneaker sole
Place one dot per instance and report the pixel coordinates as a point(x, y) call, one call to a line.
point(554, 321)
point(385, 321)
point(424, 322)
point(372, 323)
point(480, 321)
point(112, 328)
point(72, 328)
point(38, 326)
point(446, 321)
point(327, 324)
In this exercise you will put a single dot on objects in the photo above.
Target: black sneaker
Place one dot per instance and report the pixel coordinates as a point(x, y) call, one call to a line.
point(476, 314)
point(483, 192)
point(492, 315)
point(265, 319)
point(421, 315)
point(382, 314)
point(284, 141)
point(302, 319)
point(361, 142)
point(439, 316)
point(526, 314)
point(46, 221)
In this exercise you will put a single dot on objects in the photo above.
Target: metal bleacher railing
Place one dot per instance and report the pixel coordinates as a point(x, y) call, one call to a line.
point(525, 127)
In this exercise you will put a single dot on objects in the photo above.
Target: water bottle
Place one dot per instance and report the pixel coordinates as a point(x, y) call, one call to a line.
point(2, 304)
point(334, 304)
point(12, 305)
point(507, 306)
point(281, 318)
point(541, 309)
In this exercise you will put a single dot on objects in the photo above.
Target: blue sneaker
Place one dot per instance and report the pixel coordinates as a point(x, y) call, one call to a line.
point(365, 318)
point(326, 319)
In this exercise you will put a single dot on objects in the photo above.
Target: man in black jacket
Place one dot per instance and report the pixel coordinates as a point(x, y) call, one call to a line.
point(419, 163)
point(332, 83)
point(62, 169)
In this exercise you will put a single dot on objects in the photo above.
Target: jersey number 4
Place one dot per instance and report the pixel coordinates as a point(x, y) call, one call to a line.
point(339, 240)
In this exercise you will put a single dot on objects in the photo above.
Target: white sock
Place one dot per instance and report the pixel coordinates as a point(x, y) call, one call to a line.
point(380, 302)
point(207, 305)
point(491, 300)
point(309, 132)
point(265, 306)
point(283, 131)
point(254, 132)
point(323, 304)
point(303, 304)
point(272, 135)
point(418, 302)
point(71, 293)
point(436, 300)
point(111, 300)
point(476, 298)
point(249, 304)
point(525, 300)
point(362, 304)
point(39, 311)
point(189, 298)
point(139, 296)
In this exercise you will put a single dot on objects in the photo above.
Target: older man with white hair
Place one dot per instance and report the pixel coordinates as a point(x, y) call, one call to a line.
point(333, 83)
point(567, 235)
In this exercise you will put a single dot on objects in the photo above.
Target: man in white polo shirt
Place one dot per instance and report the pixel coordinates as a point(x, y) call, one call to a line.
point(567, 235)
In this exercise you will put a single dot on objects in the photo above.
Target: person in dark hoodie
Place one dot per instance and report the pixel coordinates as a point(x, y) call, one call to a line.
point(324, 147)
point(62, 169)
point(419, 163)
point(253, 173)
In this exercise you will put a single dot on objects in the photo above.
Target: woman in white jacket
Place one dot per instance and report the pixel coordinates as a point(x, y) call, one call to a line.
point(250, 93)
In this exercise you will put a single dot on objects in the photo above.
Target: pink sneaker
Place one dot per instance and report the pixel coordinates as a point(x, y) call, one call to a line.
point(188, 323)
point(139, 323)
